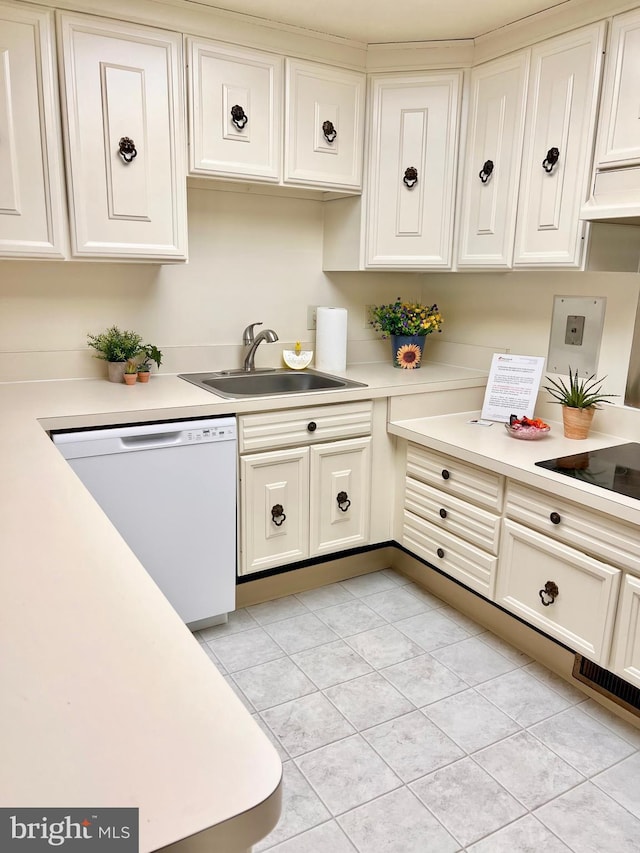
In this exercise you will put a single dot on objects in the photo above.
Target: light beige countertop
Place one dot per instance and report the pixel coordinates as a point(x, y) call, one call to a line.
point(492, 447)
point(108, 699)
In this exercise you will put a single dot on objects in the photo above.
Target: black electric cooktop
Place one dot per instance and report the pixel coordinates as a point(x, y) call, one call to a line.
point(614, 468)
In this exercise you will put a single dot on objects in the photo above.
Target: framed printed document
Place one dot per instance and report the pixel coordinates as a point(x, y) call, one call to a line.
point(513, 386)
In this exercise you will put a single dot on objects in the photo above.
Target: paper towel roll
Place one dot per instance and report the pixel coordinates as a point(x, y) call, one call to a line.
point(331, 339)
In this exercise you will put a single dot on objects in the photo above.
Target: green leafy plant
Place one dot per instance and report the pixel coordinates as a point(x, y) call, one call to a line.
point(579, 393)
point(150, 352)
point(115, 345)
point(406, 318)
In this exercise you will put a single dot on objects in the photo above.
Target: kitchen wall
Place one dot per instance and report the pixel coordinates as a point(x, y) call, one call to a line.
point(259, 257)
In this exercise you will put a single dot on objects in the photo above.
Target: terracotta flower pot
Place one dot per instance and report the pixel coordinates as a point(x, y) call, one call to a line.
point(143, 375)
point(130, 378)
point(577, 422)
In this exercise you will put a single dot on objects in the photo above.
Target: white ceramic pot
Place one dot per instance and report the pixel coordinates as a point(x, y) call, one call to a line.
point(116, 370)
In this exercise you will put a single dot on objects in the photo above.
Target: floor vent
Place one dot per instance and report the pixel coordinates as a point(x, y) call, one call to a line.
point(612, 686)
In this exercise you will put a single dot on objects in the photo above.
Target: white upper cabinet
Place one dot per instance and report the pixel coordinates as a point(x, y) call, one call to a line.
point(235, 112)
point(619, 140)
point(556, 164)
point(413, 152)
point(124, 137)
point(324, 125)
point(32, 213)
point(489, 196)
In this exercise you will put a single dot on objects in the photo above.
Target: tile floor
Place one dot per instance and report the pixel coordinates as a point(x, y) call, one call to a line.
point(405, 727)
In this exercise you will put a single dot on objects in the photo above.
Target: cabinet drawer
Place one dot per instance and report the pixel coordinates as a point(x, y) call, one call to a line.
point(466, 563)
point(454, 477)
point(310, 425)
point(626, 646)
point(582, 614)
point(587, 531)
point(476, 525)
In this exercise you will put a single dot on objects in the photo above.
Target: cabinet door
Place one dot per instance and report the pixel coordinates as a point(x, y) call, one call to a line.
point(582, 614)
point(412, 170)
point(619, 140)
point(274, 501)
point(626, 648)
point(561, 111)
point(340, 500)
point(32, 211)
point(235, 111)
point(124, 82)
point(494, 142)
point(324, 125)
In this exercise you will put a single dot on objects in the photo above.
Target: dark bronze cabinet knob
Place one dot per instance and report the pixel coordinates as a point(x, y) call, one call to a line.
point(445, 474)
point(238, 116)
point(549, 593)
point(312, 426)
point(553, 155)
point(127, 149)
point(486, 171)
point(443, 513)
point(343, 501)
point(277, 515)
point(410, 178)
point(555, 518)
point(329, 132)
point(440, 553)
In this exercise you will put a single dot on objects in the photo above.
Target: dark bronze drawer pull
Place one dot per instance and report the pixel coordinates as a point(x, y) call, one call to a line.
point(549, 594)
point(440, 553)
point(329, 131)
point(555, 518)
point(443, 513)
point(553, 155)
point(486, 171)
point(277, 512)
point(238, 116)
point(127, 149)
point(445, 474)
point(410, 178)
point(343, 501)
point(312, 426)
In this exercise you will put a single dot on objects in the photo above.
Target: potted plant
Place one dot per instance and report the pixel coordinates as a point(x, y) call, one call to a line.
point(407, 324)
point(115, 347)
point(578, 400)
point(150, 353)
point(130, 371)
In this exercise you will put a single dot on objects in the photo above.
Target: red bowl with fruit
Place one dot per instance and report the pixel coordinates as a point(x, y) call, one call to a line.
point(527, 429)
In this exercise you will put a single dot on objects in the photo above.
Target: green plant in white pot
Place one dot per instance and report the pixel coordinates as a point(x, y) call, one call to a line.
point(578, 400)
point(116, 347)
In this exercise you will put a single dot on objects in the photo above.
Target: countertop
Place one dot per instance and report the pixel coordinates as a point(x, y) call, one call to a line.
point(492, 447)
point(108, 699)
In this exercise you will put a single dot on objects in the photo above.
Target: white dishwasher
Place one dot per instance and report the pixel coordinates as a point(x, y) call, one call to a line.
point(170, 490)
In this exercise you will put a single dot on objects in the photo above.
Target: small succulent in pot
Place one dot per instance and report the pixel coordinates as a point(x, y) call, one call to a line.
point(579, 393)
point(130, 371)
point(579, 401)
point(150, 352)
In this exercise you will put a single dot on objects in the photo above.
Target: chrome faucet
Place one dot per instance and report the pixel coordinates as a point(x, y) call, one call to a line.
point(253, 342)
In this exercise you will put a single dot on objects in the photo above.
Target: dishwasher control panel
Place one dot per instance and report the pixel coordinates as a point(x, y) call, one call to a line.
point(210, 433)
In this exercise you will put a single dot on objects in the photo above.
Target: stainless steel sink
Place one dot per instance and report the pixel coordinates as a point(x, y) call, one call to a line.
point(264, 383)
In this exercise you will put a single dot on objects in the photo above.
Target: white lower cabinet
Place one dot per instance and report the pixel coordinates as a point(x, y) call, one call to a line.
point(306, 497)
point(32, 212)
point(567, 594)
point(451, 517)
point(122, 92)
point(626, 647)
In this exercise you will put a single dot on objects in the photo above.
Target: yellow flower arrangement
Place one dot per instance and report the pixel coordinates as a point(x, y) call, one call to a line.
point(406, 318)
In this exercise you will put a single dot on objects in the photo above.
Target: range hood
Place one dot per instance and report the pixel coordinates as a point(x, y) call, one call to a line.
point(615, 197)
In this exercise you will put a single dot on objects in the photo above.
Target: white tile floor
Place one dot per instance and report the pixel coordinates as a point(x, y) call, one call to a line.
point(404, 727)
